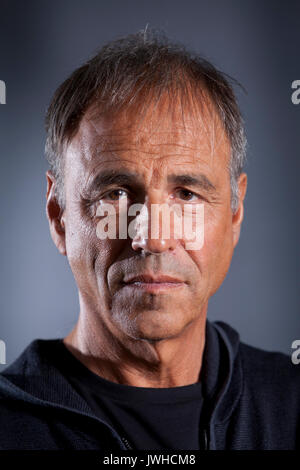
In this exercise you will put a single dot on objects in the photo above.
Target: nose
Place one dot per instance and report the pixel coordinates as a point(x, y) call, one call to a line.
point(152, 246)
point(156, 234)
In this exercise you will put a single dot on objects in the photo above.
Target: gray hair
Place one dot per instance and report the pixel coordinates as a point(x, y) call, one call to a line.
point(129, 70)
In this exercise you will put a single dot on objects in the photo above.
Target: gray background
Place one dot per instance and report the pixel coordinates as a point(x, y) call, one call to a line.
point(257, 42)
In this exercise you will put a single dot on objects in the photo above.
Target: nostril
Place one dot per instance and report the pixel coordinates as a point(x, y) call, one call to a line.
point(154, 246)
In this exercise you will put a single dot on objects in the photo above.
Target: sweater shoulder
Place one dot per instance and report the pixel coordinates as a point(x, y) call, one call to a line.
point(33, 358)
point(272, 371)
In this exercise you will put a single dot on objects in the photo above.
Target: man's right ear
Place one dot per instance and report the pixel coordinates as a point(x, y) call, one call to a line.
point(55, 215)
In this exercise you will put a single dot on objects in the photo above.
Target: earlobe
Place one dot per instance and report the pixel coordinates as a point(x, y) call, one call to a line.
point(237, 217)
point(55, 215)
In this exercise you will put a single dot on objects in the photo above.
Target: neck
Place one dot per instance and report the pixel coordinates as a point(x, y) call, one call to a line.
point(170, 362)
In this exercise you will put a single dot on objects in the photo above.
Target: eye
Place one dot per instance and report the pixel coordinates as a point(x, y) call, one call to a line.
point(187, 195)
point(115, 195)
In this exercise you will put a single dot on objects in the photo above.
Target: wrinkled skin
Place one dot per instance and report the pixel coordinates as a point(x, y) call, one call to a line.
point(128, 335)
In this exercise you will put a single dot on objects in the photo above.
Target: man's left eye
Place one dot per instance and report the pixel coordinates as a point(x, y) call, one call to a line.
point(186, 194)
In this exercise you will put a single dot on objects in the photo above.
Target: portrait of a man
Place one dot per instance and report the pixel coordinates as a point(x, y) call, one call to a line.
point(145, 123)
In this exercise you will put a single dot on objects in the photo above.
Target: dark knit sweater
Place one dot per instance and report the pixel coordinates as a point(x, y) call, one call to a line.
point(251, 400)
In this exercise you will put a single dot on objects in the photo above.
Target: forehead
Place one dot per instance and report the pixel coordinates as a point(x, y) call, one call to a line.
point(161, 135)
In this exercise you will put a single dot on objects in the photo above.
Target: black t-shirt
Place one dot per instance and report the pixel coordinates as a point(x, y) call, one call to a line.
point(150, 418)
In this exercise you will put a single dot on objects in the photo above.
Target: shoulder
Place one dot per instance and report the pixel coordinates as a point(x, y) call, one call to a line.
point(270, 374)
point(259, 365)
point(34, 357)
point(32, 372)
point(267, 376)
point(272, 363)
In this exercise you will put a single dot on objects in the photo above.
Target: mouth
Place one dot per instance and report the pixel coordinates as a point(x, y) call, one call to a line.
point(151, 283)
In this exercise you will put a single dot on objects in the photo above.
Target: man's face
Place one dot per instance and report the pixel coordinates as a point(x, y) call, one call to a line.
point(153, 153)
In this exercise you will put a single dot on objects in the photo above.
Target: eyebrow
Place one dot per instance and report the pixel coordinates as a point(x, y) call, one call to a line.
point(110, 177)
point(128, 178)
point(199, 180)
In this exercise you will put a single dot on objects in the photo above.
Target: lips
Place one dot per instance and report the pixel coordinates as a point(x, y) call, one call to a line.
point(153, 279)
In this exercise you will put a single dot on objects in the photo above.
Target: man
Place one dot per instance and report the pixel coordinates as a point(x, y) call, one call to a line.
point(145, 122)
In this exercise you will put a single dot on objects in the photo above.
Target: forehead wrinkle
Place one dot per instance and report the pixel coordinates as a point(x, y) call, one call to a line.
point(152, 149)
point(124, 137)
point(106, 130)
point(148, 157)
point(144, 139)
point(131, 134)
point(156, 149)
point(106, 158)
point(118, 153)
point(116, 143)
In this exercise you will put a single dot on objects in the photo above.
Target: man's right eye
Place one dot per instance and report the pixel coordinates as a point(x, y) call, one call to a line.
point(115, 195)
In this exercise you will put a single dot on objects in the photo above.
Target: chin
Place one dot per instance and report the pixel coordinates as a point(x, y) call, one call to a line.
point(151, 325)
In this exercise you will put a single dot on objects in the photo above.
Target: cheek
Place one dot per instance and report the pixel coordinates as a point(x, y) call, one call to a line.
point(81, 246)
point(89, 256)
point(213, 259)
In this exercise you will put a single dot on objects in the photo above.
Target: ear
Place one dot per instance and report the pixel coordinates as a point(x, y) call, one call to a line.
point(238, 216)
point(55, 215)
